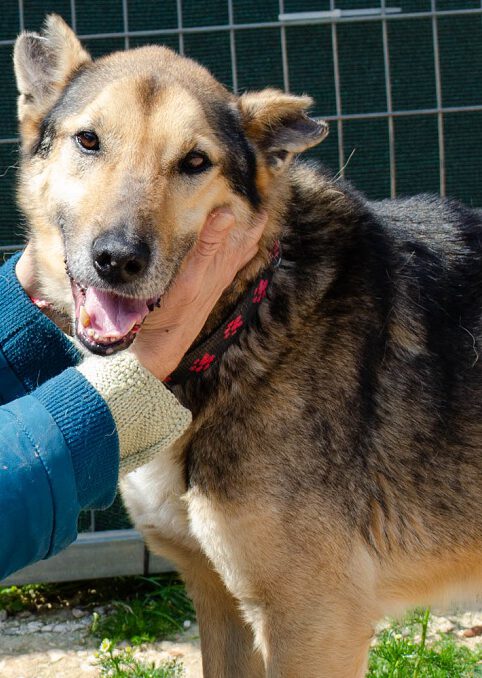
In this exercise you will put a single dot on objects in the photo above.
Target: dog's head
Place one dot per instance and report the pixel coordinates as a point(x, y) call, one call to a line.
point(122, 161)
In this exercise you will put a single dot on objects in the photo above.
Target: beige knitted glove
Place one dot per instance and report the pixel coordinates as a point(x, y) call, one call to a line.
point(148, 416)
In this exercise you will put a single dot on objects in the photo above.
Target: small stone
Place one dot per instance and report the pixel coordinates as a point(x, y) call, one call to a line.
point(3, 615)
point(87, 668)
point(78, 612)
point(187, 624)
point(55, 655)
point(75, 626)
point(473, 632)
point(100, 609)
point(33, 626)
point(47, 628)
point(61, 628)
point(25, 614)
point(445, 626)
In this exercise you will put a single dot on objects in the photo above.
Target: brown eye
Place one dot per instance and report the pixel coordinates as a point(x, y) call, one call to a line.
point(195, 162)
point(88, 140)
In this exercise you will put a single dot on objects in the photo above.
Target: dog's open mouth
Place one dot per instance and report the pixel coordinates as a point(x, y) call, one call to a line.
point(106, 322)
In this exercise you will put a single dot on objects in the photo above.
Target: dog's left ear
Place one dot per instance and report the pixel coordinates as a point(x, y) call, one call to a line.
point(277, 124)
point(43, 65)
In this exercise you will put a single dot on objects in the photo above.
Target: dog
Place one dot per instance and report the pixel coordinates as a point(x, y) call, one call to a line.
point(332, 471)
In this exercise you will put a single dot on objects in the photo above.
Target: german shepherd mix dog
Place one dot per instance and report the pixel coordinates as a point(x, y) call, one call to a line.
point(332, 472)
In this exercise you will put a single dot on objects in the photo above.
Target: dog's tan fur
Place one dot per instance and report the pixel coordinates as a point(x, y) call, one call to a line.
point(293, 533)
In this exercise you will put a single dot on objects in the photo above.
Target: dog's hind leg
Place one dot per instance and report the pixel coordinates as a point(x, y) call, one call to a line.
point(227, 640)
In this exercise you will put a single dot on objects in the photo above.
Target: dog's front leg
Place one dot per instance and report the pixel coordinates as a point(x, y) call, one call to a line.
point(303, 634)
point(227, 641)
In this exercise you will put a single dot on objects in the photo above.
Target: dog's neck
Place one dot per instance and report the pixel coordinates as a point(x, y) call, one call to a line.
point(208, 351)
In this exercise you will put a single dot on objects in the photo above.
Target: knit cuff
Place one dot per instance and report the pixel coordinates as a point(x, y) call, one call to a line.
point(33, 346)
point(148, 416)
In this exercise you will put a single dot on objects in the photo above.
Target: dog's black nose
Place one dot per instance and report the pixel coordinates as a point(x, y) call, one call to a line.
point(118, 258)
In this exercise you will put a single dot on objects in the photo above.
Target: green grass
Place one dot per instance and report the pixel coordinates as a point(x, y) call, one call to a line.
point(402, 651)
point(41, 597)
point(155, 613)
point(115, 663)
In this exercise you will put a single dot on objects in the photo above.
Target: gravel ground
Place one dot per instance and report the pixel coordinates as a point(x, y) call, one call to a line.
point(58, 644)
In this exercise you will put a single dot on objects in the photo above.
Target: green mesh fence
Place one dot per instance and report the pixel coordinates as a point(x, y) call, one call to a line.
point(399, 80)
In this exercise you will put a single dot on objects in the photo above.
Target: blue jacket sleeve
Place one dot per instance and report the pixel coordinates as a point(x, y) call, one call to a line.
point(59, 450)
point(58, 454)
point(32, 348)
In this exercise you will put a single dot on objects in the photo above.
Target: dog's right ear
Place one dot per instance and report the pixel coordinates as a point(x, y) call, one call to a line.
point(43, 65)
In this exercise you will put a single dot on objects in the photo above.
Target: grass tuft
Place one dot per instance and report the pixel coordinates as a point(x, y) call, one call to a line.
point(115, 663)
point(402, 651)
point(157, 613)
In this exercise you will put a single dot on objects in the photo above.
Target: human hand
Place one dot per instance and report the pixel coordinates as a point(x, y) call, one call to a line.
point(25, 271)
point(220, 252)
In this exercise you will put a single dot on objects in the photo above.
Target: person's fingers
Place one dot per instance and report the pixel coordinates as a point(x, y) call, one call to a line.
point(219, 253)
point(214, 233)
point(242, 239)
point(249, 254)
point(25, 271)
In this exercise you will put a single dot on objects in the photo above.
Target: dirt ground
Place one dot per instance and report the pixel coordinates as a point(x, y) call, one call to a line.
point(59, 644)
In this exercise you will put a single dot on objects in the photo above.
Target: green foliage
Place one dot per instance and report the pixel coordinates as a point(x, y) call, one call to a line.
point(149, 616)
point(18, 598)
point(121, 664)
point(41, 597)
point(400, 654)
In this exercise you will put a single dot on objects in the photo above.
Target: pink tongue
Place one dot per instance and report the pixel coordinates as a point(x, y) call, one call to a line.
point(112, 316)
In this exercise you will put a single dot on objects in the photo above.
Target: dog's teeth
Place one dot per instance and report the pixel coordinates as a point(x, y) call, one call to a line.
point(90, 333)
point(84, 317)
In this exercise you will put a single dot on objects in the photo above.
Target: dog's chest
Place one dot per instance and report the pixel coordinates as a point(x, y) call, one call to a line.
point(238, 442)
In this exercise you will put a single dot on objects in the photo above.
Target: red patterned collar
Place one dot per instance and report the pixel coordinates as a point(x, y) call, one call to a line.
point(205, 356)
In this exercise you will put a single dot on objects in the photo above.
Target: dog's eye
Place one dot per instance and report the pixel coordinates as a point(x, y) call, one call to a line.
point(88, 140)
point(194, 162)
